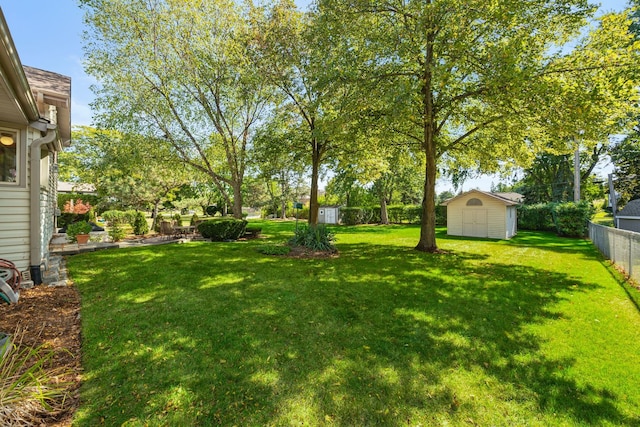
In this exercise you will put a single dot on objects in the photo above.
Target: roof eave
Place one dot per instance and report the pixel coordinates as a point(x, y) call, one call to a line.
point(13, 73)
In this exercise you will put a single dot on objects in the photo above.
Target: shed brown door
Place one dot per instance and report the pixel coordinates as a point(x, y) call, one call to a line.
point(474, 223)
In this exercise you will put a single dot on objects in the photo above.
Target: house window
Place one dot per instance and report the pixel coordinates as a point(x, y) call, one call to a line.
point(8, 156)
point(474, 202)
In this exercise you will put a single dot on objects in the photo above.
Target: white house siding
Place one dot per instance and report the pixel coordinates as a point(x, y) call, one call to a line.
point(14, 210)
point(495, 216)
point(14, 225)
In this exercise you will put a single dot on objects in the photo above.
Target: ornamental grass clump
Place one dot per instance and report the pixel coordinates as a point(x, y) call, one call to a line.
point(29, 390)
point(318, 238)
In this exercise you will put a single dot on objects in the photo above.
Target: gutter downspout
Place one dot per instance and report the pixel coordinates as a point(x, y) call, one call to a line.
point(34, 191)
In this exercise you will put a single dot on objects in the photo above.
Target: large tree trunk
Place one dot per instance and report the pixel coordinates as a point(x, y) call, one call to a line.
point(315, 172)
point(237, 200)
point(384, 215)
point(427, 241)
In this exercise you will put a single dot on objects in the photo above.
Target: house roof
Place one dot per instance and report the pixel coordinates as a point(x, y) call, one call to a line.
point(26, 92)
point(631, 209)
point(75, 187)
point(16, 101)
point(49, 88)
point(509, 199)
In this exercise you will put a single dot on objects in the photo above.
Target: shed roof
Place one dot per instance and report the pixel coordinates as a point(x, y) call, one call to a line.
point(509, 199)
point(631, 209)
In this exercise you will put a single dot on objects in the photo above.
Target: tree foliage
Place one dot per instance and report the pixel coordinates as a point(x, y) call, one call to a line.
point(180, 71)
point(472, 82)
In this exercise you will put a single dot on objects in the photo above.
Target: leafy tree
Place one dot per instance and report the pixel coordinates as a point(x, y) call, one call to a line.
point(182, 73)
point(127, 170)
point(471, 82)
point(278, 159)
point(550, 178)
point(626, 160)
point(292, 58)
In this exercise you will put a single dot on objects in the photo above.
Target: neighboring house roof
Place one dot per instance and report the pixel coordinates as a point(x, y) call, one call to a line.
point(631, 209)
point(75, 187)
point(509, 199)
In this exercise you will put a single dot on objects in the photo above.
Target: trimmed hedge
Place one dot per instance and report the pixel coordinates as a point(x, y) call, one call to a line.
point(223, 229)
point(566, 219)
point(538, 217)
point(398, 214)
point(572, 219)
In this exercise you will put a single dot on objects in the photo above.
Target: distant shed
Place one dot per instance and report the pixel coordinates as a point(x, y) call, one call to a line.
point(629, 217)
point(482, 214)
point(328, 214)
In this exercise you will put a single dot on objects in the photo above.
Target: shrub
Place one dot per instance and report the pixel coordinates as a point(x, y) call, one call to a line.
point(116, 232)
point(80, 227)
point(571, 219)
point(351, 215)
point(317, 238)
point(223, 229)
point(178, 219)
point(413, 213)
point(67, 218)
point(194, 219)
point(395, 213)
point(538, 217)
point(371, 215)
point(140, 225)
point(441, 215)
point(156, 224)
point(114, 217)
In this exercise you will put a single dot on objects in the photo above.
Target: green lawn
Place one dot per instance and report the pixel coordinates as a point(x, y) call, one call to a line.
point(532, 331)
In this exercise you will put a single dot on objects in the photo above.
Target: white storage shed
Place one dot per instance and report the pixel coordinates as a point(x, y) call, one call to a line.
point(482, 214)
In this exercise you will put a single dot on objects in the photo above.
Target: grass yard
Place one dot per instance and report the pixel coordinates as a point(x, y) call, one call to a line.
point(535, 331)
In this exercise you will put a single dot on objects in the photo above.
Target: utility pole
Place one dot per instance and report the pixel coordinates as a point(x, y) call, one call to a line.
point(576, 175)
point(613, 200)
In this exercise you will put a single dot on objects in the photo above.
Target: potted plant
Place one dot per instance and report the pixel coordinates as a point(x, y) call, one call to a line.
point(79, 232)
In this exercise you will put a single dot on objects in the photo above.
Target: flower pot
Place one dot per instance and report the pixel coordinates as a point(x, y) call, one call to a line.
point(82, 239)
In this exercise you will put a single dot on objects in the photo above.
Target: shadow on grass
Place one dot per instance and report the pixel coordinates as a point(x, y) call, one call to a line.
point(207, 335)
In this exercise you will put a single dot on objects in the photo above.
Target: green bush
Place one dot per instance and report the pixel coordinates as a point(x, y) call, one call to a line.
point(156, 223)
point(317, 238)
point(413, 213)
point(140, 225)
point(118, 217)
point(571, 219)
point(67, 218)
point(178, 219)
point(194, 219)
point(223, 229)
point(371, 215)
point(351, 215)
point(116, 232)
point(395, 213)
point(80, 227)
point(213, 210)
point(538, 217)
point(441, 215)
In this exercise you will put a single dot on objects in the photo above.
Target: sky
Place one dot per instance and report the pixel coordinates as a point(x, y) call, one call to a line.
point(48, 35)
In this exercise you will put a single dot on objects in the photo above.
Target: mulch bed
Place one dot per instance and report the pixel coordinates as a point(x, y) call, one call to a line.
point(50, 316)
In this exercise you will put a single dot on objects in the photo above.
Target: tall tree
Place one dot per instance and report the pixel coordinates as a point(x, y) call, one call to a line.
point(291, 58)
point(130, 171)
point(180, 71)
point(471, 81)
point(626, 161)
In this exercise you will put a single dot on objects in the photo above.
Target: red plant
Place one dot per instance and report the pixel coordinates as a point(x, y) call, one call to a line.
point(77, 207)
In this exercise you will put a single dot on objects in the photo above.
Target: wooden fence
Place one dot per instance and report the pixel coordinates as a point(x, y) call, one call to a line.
point(620, 246)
